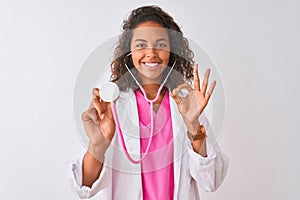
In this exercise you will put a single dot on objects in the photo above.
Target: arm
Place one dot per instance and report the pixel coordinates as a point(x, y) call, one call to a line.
point(91, 169)
point(198, 139)
point(191, 107)
point(208, 165)
point(100, 127)
point(87, 174)
point(91, 165)
point(75, 171)
point(208, 171)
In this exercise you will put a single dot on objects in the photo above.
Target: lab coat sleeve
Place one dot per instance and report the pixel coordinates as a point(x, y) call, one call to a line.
point(74, 168)
point(208, 172)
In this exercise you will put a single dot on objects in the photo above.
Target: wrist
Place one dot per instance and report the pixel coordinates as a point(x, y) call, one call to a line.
point(199, 134)
point(192, 127)
point(98, 150)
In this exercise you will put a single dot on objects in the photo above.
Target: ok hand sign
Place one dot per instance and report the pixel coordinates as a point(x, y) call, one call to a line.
point(192, 105)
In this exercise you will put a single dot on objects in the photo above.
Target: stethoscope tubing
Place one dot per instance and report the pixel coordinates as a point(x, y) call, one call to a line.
point(114, 112)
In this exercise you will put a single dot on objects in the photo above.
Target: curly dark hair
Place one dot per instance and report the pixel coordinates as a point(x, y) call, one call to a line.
point(179, 49)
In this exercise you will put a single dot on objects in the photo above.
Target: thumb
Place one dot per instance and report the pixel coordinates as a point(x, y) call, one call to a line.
point(175, 96)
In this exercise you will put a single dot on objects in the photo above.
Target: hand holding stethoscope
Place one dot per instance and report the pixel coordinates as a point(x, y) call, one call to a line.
point(193, 104)
point(98, 122)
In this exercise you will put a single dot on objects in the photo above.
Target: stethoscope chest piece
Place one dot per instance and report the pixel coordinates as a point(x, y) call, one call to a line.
point(109, 92)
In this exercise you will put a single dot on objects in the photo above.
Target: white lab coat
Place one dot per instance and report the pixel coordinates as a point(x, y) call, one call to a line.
point(120, 179)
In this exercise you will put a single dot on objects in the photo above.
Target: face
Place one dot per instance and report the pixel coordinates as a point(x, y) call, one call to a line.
point(150, 50)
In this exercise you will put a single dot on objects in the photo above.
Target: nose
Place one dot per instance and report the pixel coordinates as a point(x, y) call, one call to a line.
point(151, 52)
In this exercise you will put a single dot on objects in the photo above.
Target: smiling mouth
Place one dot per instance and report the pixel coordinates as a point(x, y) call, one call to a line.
point(151, 64)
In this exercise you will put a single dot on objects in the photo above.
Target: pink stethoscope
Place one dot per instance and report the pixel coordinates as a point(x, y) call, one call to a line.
point(109, 92)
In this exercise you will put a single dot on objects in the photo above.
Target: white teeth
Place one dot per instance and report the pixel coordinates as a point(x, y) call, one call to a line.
point(151, 64)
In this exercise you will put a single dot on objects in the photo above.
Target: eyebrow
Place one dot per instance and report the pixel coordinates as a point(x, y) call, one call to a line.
point(158, 40)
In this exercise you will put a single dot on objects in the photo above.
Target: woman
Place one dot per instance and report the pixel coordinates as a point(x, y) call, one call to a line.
point(178, 160)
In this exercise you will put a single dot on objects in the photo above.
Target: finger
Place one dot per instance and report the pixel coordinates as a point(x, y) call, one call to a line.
point(108, 110)
point(94, 116)
point(175, 97)
point(96, 93)
point(205, 81)
point(196, 78)
point(210, 91)
point(99, 107)
point(90, 114)
point(184, 86)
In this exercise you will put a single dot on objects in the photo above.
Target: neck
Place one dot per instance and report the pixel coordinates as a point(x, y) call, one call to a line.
point(151, 91)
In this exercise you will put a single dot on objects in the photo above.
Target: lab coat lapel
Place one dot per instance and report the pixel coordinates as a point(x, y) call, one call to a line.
point(178, 130)
point(129, 123)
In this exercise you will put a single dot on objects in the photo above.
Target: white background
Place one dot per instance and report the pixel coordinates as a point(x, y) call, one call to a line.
point(254, 44)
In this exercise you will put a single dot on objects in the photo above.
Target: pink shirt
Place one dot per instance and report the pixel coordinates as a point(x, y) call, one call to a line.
point(157, 167)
